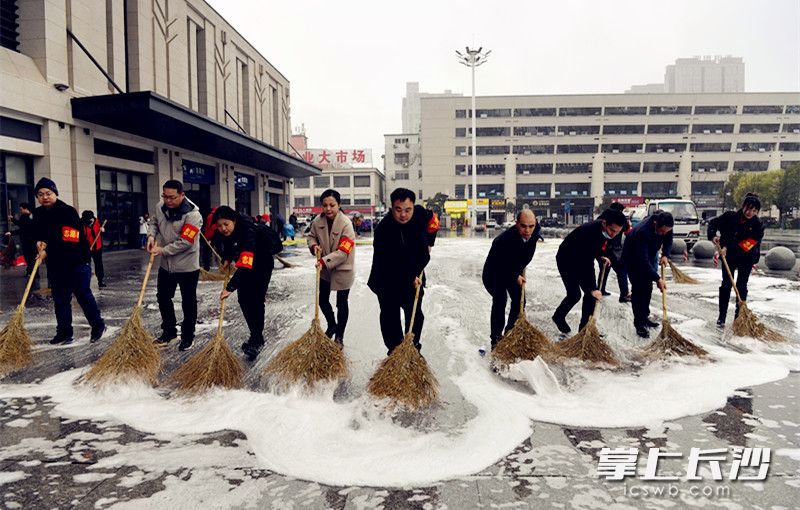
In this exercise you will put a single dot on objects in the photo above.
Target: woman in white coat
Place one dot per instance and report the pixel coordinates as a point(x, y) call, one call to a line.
point(332, 233)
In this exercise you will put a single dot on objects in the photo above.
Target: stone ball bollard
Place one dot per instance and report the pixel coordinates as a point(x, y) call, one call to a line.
point(704, 250)
point(678, 247)
point(780, 258)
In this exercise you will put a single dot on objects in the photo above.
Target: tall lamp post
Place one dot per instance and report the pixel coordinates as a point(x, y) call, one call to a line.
point(473, 58)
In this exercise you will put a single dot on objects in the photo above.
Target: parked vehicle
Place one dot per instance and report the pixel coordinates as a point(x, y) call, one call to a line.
point(509, 224)
point(551, 222)
point(491, 224)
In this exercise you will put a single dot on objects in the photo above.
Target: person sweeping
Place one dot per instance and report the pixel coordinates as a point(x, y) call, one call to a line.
point(614, 253)
point(92, 230)
point(332, 233)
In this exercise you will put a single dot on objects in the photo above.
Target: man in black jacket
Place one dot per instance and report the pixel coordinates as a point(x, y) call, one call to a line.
point(57, 230)
point(402, 245)
point(503, 270)
point(25, 231)
point(614, 253)
point(740, 238)
point(641, 256)
point(575, 260)
point(250, 248)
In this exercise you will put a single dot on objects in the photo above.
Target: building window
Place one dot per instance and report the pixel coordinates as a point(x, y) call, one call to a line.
point(665, 147)
point(534, 168)
point(461, 169)
point(577, 130)
point(302, 201)
point(9, 27)
point(461, 114)
point(16, 185)
point(534, 130)
point(759, 128)
point(272, 183)
point(20, 129)
point(614, 148)
point(576, 149)
point(491, 191)
point(345, 200)
point(573, 189)
point(659, 189)
point(492, 112)
point(462, 151)
point(121, 200)
point(670, 110)
point(401, 176)
point(533, 190)
point(755, 147)
point(791, 128)
point(573, 168)
point(762, 109)
point(706, 189)
point(626, 110)
point(398, 141)
point(461, 132)
point(592, 111)
point(301, 182)
point(709, 166)
point(789, 164)
point(790, 146)
point(361, 201)
point(534, 112)
point(715, 110)
point(322, 181)
point(750, 166)
point(622, 168)
point(661, 166)
point(401, 158)
point(534, 149)
point(712, 128)
point(710, 147)
point(621, 189)
point(361, 181)
point(459, 191)
point(484, 169)
point(491, 150)
point(341, 181)
point(667, 129)
point(624, 130)
point(793, 108)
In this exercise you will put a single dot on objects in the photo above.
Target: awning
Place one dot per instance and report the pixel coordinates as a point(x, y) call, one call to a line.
point(152, 116)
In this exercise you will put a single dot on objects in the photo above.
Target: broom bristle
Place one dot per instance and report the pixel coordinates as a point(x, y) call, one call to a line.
point(405, 379)
point(15, 344)
point(523, 342)
point(671, 343)
point(132, 356)
point(214, 276)
point(587, 345)
point(747, 324)
point(214, 365)
point(679, 276)
point(310, 359)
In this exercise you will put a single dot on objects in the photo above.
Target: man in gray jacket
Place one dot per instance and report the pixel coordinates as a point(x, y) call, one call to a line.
point(174, 233)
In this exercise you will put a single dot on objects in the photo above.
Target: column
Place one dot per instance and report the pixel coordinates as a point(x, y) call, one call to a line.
point(685, 176)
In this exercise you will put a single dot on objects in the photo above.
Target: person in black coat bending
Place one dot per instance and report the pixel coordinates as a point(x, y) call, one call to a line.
point(511, 252)
point(614, 252)
point(641, 256)
point(402, 246)
point(25, 231)
point(61, 243)
point(575, 260)
point(249, 248)
point(740, 238)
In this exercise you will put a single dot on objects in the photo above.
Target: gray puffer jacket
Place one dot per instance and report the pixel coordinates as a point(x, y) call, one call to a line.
point(177, 231)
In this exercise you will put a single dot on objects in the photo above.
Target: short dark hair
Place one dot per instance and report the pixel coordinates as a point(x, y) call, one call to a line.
point(331, 193)
point(402, 194)
point(751, 200)
point(614, 217)
point(24, 205)
point(224, 212)
point(616, 206)
point(173, 184)
point(663, 219)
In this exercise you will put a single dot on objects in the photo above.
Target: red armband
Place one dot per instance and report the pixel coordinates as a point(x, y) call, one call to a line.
point(433, 224)
point(245, 260)
point(747, 244)
point(346, 245)
point(189, 233)
point(70, 235)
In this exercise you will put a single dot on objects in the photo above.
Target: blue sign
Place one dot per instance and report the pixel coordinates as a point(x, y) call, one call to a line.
point(244, 182)
point(197, 173)
point(567, 206)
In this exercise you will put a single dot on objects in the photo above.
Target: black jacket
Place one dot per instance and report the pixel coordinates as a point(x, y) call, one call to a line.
point(742, 237)
point(641, 250)
point(508, 257)
point(249, 248)
point(580, 249)
point(401, 251)
point(61, 228)
point(24, 229)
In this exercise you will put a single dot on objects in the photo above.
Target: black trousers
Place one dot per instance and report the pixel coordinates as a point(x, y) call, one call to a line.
point(391, 328)
point(741, 269)
point(29, 253)
point(622, 277)
point(252, 300)
point(641, 293)
point(167, 283)
point(65, 283)
point(500, 296)
point(205, 256)
point(572, 284)
point(97, 257)
point(342, 307)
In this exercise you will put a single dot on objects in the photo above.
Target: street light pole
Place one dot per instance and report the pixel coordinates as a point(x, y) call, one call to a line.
point(473, 58)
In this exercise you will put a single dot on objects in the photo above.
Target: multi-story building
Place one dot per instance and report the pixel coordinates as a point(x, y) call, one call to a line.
point(110, 99)
point(698, 75)
point(411, 105)
point(567, 153)
point(403, 162)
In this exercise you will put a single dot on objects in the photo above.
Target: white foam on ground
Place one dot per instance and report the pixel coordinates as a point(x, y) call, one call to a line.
point(12, 476)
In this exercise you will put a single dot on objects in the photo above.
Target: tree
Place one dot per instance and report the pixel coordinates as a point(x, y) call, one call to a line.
point(764, 184)
point(436, 204)
point(787, 195)
point(728, 190)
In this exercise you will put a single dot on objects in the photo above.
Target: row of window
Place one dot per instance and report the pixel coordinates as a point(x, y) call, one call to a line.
point(309, 201)
point(339, 181)
point(581, 189)
point(611, 168)
point(625, 129)
point(596, 111)
point(493, 150)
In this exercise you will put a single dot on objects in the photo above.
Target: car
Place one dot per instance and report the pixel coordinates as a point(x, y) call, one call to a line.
point(551, 222)
point(480, 227)
point(491, 224)
point(509, 224)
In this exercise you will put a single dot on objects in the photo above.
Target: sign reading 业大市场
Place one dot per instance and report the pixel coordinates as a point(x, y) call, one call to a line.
point(339, 158)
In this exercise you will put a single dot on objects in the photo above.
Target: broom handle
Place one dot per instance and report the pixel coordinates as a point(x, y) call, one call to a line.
point(30, 281)
point(94, 241)
point(316, 299)
point(416, 299)
point(602, 275)
point(283, 261)
point(146, 277)
point(219, 259)
point(663, 296)
point(730, 275)
point(522, 298)
point(222, 309)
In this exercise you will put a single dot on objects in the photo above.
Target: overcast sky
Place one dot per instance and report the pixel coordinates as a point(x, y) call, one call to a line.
point(348, 61)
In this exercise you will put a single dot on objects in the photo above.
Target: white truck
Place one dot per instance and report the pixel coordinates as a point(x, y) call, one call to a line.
point(684, 212)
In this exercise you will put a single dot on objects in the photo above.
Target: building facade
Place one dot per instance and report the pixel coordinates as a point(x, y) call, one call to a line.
point(403, 162)
point(411, 105)
point(111, 98)
point(703, 75)
point(566, 154)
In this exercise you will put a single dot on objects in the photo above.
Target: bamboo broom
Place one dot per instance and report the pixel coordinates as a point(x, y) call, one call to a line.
point(669, 342)
point(15, 344)
point(214, 365)
point(746, 323)
point(404, 377)
point(310, 359)
point(587, 344)
point(134, 355)
point(679, 276)
point(523, 341)
point(222, 274)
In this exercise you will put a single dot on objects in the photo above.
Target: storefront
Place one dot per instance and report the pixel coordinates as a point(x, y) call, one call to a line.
point(197, 180)
point(497, 210)
point(121, 200)
point(244, 186)
point(16, 185)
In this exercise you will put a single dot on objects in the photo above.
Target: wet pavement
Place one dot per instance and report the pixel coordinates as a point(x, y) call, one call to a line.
point(52, 461)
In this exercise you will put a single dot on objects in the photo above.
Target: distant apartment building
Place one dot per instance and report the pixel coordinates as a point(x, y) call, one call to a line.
point(403, 162)
point(411, 105)
point(698, 75)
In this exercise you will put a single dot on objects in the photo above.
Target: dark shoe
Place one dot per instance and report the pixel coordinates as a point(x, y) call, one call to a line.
point(561, 324)
point(330, 331)
point(339, 341)
point(651, 324)
point(493, 341)
point(186, 344)
point(61, 340)
point(101, 284)
point(166, 338)
point(605, 293)
point(251, 351)
point(625, 299)
point(721, 323)
point(97, 333)
point(642, 331)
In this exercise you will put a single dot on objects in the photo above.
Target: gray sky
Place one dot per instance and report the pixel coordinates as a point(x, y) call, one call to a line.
point(348, 61)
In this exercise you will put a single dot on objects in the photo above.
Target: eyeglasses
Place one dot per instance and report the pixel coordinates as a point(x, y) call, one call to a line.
point(45, 194)
point(170, 197)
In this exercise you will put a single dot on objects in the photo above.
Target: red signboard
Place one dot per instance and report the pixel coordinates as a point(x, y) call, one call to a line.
point(629, 201)
point(363, 209)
